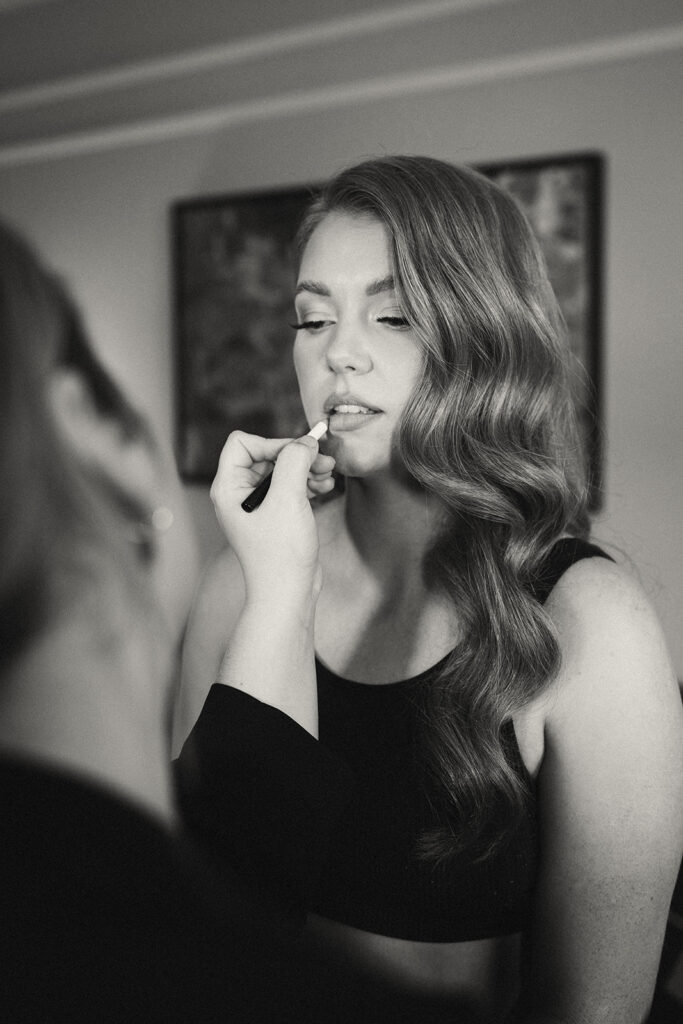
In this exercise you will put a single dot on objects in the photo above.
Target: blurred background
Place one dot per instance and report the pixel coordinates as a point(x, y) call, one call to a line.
point(110, 112)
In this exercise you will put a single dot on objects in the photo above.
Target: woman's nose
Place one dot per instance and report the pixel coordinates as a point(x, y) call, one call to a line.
point(347, 352)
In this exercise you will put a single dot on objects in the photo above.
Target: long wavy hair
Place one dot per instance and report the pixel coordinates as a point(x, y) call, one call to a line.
point(491, 429)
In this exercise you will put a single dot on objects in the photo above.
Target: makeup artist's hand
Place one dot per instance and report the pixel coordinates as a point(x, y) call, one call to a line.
point(277, 544)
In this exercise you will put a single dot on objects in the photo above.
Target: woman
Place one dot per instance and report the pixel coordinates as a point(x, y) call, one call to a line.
point(107, 914)
point(499, 685)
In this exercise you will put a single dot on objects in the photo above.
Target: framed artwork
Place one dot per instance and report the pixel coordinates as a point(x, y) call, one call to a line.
point(563, 199)
point(234, 276)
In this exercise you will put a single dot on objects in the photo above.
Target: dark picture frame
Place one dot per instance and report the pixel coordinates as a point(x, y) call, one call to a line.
point(233, 282)
point(563, 198)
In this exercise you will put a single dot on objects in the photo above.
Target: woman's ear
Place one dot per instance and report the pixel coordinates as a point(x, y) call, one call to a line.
point(100, 442)
point(140, 474)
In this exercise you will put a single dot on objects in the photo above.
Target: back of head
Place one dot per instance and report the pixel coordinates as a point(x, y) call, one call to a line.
point(51, 506)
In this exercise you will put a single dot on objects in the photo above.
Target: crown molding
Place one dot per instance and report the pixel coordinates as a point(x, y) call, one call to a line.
point(524, 65)
point(238, 52)
point(11, 5)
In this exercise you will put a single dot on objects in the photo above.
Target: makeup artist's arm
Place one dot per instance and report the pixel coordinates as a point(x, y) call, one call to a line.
point(270, 653)
point(252, 781)
point(222, 593)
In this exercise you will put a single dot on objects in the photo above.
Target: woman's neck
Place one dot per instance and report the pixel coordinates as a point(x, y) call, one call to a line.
point(96, 709)
point(378, 618)
point(391, 524)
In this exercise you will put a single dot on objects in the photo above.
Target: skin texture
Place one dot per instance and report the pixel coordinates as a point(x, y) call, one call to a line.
point(346, 258)
point(604, 740)
point(90, 693)
point(280, 533)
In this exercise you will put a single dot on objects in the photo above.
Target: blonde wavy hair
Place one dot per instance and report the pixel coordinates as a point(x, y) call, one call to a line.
point(491, 429)
point(57, 515)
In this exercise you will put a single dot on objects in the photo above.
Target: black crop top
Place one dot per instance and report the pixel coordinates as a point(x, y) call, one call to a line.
point(374, 879)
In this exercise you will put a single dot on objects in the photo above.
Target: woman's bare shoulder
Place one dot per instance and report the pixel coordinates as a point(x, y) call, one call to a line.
point(600, 609)
point(610, 792)
point(613, 653)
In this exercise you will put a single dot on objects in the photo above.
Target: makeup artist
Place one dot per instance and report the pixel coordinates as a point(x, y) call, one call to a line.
point(499, 684)
point(109, 915)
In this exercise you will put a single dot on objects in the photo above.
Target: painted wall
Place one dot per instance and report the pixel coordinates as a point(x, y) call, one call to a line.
point(98, 208)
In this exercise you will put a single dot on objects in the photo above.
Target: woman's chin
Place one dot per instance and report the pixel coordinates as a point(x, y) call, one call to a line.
point(354, 459)
point(361, 469)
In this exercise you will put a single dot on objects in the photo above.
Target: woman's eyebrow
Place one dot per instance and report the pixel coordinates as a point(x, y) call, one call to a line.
point(383, 284)
point(312, 286)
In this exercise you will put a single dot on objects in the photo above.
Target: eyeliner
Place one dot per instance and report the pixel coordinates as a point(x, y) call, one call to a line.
point(253, 500)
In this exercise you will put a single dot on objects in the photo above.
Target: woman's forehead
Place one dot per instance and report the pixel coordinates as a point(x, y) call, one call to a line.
point(349, 248)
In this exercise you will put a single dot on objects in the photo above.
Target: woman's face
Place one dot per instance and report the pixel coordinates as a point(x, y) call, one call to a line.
point(356, 358)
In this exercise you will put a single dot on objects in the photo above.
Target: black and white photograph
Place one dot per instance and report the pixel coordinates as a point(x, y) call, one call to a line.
point(341, 569)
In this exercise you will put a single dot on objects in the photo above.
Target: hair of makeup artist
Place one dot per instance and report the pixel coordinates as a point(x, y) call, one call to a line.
point(58, 516)
point(491, 429)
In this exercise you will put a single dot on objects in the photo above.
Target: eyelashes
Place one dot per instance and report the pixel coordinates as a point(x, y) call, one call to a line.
point(309, 325)
point(397, 322)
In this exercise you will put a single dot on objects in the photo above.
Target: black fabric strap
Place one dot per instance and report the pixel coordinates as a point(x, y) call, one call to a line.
point(563, 555)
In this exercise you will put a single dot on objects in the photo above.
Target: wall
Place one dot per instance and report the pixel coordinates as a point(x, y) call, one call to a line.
point(91, 182)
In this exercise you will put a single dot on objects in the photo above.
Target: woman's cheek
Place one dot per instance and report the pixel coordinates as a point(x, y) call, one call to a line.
point(305, 377)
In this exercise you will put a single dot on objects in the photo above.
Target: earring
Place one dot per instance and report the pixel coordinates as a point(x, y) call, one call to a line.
point(145, 531)
point(161, 519)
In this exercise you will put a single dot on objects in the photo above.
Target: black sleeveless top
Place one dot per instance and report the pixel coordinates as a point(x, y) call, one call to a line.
point(375, 879)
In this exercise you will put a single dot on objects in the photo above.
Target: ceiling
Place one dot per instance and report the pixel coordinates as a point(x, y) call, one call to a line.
point(77, 72)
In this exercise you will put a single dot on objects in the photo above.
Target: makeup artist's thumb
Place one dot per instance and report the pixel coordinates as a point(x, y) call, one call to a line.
point(290, 475)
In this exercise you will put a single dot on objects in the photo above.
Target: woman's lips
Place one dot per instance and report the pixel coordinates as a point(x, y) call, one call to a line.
point(347, 416)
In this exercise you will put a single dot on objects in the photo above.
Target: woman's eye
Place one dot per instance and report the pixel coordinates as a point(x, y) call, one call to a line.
point(398, 322)
point(310, 325)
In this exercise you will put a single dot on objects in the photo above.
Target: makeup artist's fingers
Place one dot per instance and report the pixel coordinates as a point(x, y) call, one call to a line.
point(321, 471)
point(247, 457)
point(303, 473)
point(318, 487)
point(242, 449)
point(320, 480)
point(291, 472)
point(322, 465)
point(277, 543)
point(244, 461)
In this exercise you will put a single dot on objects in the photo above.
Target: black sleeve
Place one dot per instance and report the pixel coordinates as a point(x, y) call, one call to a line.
point(261, 792)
